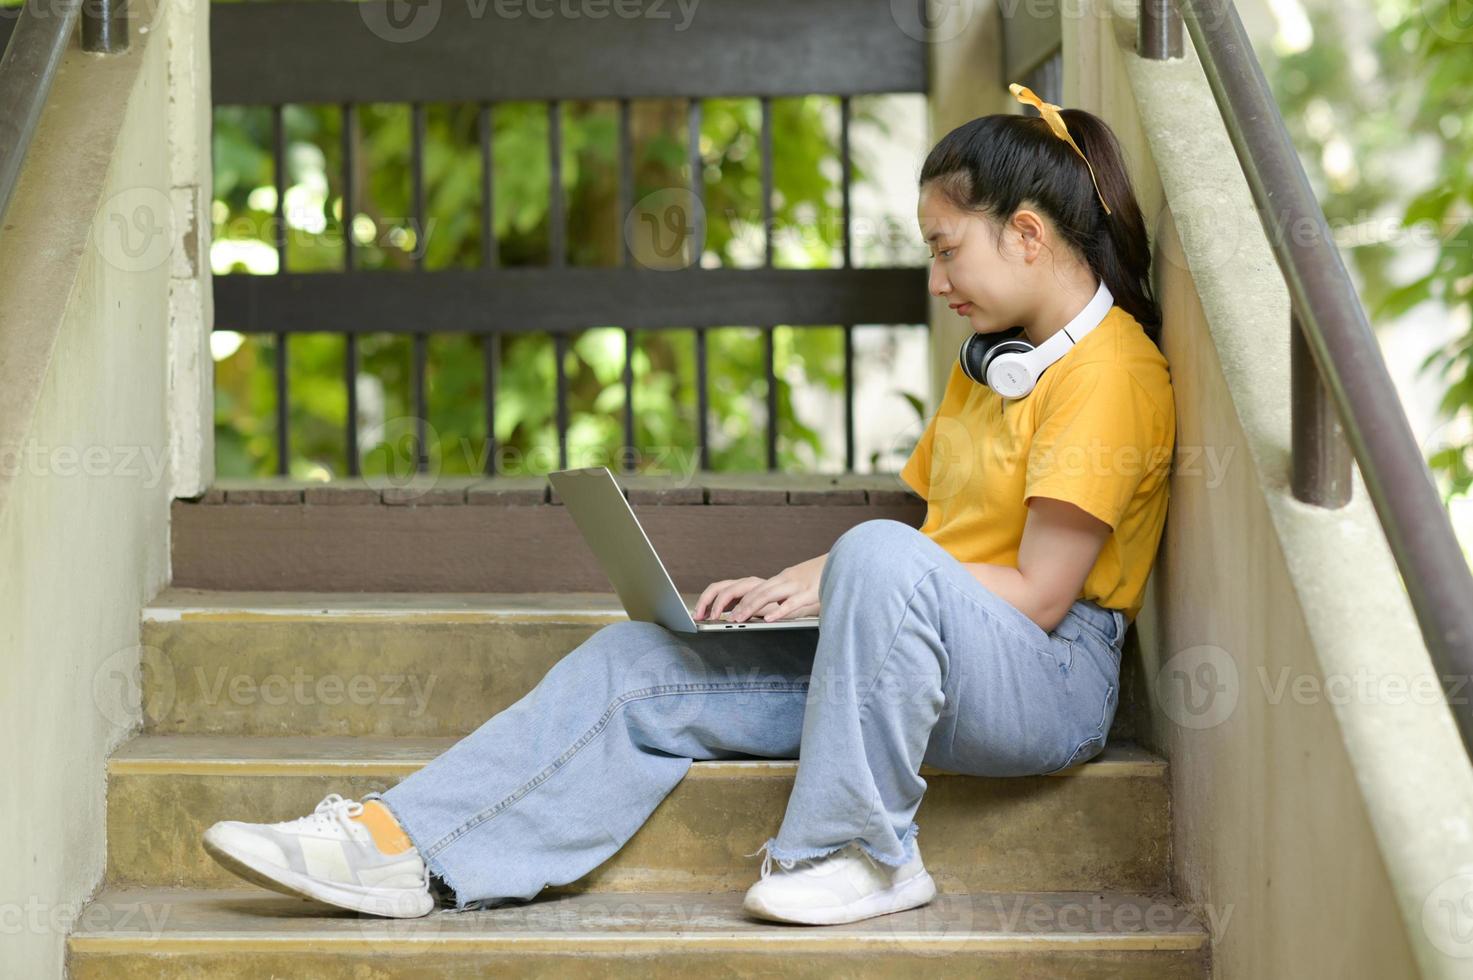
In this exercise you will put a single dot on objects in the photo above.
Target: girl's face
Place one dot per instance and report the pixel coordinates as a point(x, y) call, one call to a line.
point(993, 285)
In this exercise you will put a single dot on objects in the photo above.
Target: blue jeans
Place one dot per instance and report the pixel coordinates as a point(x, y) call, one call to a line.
point(916, 661)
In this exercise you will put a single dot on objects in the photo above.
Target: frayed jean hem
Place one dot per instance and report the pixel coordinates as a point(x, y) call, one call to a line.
point(788, 857)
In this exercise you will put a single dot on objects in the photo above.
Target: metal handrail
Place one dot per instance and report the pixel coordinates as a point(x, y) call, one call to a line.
point(1343, 398)
point(36, 44)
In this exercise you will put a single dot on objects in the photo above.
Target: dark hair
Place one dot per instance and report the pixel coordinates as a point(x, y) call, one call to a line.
point(995, 163)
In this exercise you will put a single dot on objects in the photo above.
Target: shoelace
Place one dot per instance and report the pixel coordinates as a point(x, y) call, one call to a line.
point(796, 862)
point(334, 807)
point(767, 860)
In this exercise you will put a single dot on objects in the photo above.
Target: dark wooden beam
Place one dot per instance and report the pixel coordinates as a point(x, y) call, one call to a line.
point(430, 50)
point(501, 300)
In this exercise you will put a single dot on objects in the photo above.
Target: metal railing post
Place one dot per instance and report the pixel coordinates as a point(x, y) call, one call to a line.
point(105, 26)
point(1320, 453)
point(1158, 30)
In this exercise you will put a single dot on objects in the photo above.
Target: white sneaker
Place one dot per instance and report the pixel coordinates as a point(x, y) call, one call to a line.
point(325, 856)
point(842, 886)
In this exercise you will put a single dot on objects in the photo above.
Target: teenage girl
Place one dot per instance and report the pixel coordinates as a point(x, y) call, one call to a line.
point(986, 642)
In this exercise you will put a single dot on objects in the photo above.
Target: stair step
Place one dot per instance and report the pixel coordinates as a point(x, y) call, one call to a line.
point(316, 663)
point(1103, 824)
point(262, 663)
point(167, 932)
point(468, 534)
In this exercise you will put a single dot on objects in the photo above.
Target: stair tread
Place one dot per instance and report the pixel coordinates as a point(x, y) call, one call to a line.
point(174, 603)
point(144, 754)
point(180, 604)
point(200, 920)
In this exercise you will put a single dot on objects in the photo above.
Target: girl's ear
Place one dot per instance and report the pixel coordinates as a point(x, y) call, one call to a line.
point(1029, 228)
point(1023, 221)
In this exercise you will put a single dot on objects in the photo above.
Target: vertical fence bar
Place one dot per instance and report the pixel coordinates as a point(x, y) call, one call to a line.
point(559, 259)
point(768, 330)
point(490, 258)
point(350, 264)
point(628, 379)
point(626, 202)
point(849, 398)
point(560, 354)
point(697, 232)
point(846, 177)
point(556, 220)
point(278, 157)
point(846, 174)
point(417, 177)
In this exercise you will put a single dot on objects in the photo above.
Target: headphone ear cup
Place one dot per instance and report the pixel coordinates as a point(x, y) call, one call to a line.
point(972, 352)
point(977, 349)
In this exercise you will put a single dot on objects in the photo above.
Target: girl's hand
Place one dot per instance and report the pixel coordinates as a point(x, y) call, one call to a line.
point(714, 600)
point(790, 594)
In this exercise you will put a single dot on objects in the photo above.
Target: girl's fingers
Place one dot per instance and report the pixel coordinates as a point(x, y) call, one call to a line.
point(710, 593)
point(750, 593)
point(718, 605)
point(795, 607)
point(740, 609)
point(733, 590)
point(769, 591)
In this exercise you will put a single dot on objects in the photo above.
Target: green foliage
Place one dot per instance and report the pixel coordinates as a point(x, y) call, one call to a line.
point(806, 201)
point(1327, 103)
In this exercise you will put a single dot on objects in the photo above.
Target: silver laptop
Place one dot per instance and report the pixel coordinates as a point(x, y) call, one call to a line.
point(617, 540)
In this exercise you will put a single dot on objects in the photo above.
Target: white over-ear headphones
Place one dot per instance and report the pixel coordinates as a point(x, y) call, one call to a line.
point(1011, 366)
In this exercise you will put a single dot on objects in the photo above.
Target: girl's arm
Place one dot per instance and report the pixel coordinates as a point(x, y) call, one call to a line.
point(1059, 547)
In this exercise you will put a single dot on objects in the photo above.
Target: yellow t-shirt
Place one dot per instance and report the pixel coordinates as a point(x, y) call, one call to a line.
point(1098, 431)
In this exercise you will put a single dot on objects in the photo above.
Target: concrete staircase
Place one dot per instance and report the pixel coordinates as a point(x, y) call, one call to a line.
point(258, 704)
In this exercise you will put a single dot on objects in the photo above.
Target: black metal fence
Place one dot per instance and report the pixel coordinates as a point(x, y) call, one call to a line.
point(348, 54)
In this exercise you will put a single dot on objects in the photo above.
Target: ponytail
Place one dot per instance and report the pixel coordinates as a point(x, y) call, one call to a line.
point(995, 164)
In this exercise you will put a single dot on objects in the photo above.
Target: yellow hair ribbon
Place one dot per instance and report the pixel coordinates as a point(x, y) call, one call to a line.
point(1050, 113)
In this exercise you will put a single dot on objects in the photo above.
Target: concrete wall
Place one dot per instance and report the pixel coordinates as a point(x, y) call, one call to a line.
point(88, 248)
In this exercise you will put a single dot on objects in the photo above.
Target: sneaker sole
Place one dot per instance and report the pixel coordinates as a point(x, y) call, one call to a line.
point(908, 894)
point(402, 905)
